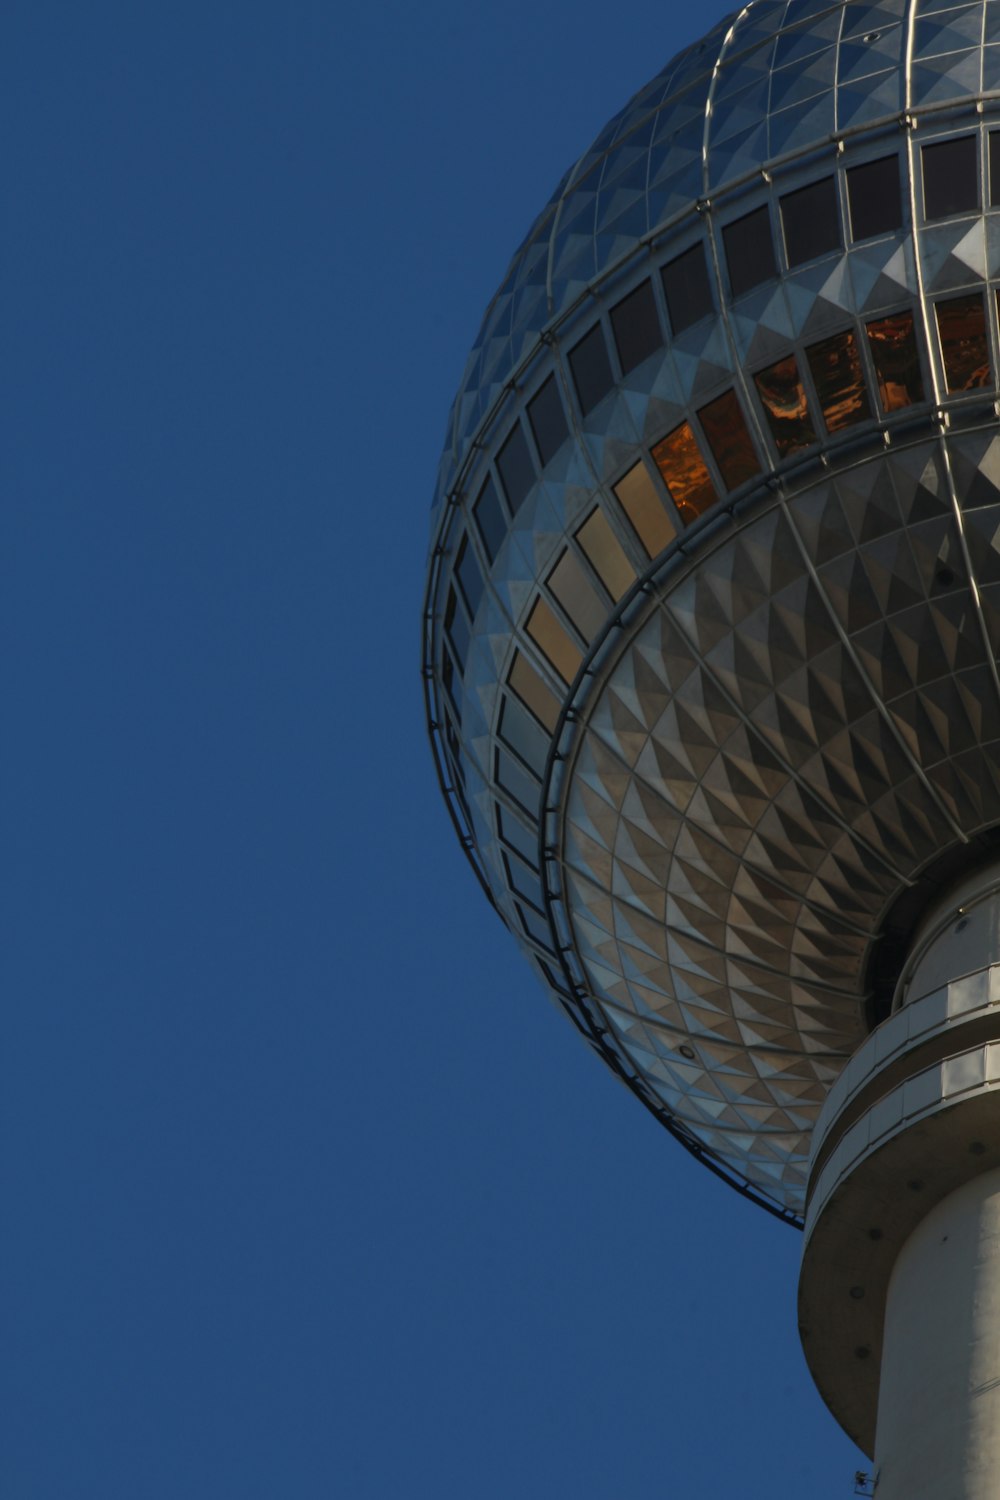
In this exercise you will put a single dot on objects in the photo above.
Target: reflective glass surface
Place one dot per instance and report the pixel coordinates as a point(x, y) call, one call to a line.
point(517, 472)
point(490, 519)
point(533, 692)
point(965, 351)
point(893, 345)
point(606, 555)
point(553, 640)
point(591, 369)
point(835, 366)
point(684, 473)
point(783, 398)
point(724, 426)
point(577, 595)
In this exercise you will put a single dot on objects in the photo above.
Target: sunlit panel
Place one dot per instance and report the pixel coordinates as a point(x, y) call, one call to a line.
point(835, 366)
point(533, 692)
point(965, 352)
point(642, 503)
point(577, 595)
point(553, 640)
point(893, 344)
point(732, 447)
point(684, 473)
point(785, 405)
point(606, 555)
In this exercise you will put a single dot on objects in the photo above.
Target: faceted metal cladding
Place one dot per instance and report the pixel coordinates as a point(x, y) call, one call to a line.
point(713, 611)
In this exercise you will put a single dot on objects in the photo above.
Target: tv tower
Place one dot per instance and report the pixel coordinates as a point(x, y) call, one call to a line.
point(711, 656)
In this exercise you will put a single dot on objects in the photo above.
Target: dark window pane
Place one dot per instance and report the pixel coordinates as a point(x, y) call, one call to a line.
point(513, 832)
point(522, 880)
point(684, 473)
point(636, 326)
point(962, 328)
point(517, 782)
point(876, 201)
point(448, 677)
point(729, 440)
point(893, 345)
point(517, 473)
point(591, 369)
point(784, 400)
point(533, 692)
point(520, 733)
point(840, 383)
point(687, 288)
point(951, 177)
point(994, 168)
point(535, 926)
point(469, 576)
point(548, 420)
point(490, 519)
point(457, 628)
point(749, 251)
point(811, 221)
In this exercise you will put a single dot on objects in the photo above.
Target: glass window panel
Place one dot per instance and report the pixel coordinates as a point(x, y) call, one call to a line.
point(454, 750)
point(606, 555)
point(548, 420)
point(687, 288)
point(553, 641)
point(517, 472)
point(732, 447)
point(591, 369)
point(994, 168)
point(523, 734)
point(876, 201)
point(893, 345)
point(641, 502)
point(783, 397)
point(522, 880)
point(835, 365)
point(577, 595)
point(516, 781)
point(535, 926)
point(811, 221)
point(513, 832)
point(951, 177)
point(635, 323)
point(448, 676)
point(533, 692)
point(457, 628)
point(749, 251)
point(469, 576)
point(679, 460)
point(964, 351)
point(490, 519)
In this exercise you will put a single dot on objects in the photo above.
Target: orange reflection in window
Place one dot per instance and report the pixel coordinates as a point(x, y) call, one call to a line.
point(893, 344)
point(962, 328)
point(684, 473)
point(784, 400)
point(836, 371)
point(729, 440)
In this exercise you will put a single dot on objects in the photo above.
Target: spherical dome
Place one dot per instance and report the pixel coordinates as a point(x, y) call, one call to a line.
point(713, 612)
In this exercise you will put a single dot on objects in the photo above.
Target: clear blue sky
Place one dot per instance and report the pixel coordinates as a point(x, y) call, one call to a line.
point(306, 1191)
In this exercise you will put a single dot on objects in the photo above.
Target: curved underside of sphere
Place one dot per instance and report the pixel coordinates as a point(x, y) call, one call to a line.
point(712, 626)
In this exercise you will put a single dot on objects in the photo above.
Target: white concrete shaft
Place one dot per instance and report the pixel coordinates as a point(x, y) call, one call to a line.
point(938, 1432)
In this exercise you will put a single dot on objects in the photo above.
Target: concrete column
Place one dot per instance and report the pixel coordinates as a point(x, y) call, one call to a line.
point(938, 1430)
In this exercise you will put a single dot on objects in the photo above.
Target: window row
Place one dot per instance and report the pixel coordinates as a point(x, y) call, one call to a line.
point(828, 390)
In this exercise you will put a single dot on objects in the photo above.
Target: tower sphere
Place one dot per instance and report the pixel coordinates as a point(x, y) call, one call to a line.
point(713, 610)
